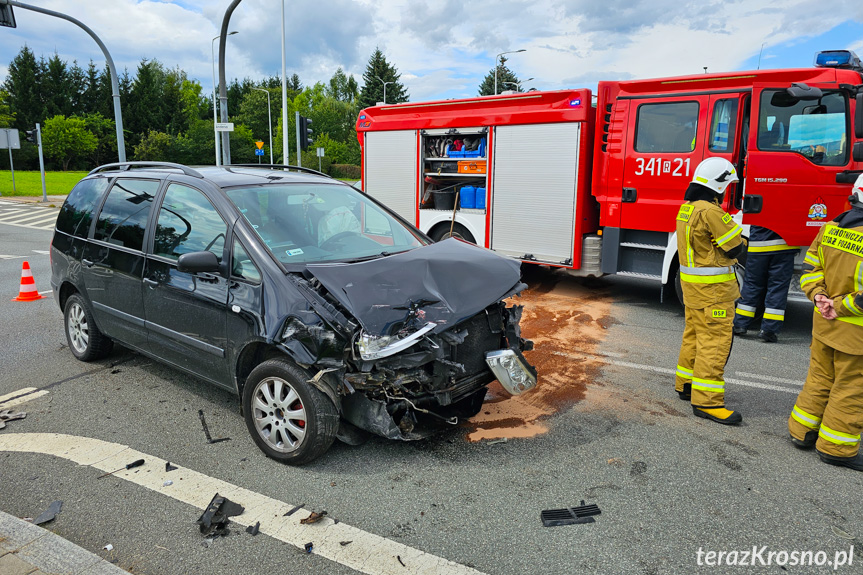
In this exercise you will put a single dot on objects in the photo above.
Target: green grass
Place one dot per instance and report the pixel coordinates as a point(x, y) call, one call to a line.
point(30, 183)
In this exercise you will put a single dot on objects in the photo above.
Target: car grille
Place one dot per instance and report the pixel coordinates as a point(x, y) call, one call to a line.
point(480, 339)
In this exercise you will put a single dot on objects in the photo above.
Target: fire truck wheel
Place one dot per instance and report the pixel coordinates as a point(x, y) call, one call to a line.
point(458, 231)
point(677, 287)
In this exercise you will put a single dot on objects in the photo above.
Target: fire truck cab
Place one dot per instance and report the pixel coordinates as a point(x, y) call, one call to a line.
point(550, 178)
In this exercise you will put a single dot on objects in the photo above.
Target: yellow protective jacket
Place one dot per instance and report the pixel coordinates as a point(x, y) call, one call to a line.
point(833, 267)
point(705, 232)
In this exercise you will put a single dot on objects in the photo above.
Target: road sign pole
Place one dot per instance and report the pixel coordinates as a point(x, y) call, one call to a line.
point(299, 147)
point(41, 161)
point(11, 167)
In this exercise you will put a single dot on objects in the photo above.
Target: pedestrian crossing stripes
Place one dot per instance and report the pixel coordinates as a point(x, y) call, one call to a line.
point(25, 215)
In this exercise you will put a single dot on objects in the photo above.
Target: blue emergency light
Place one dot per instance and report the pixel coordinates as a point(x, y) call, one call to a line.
point(575, 103)
point(838, 59)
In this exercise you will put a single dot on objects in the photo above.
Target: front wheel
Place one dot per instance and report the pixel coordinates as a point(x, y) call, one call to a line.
point(85, 340)
point(290, 420)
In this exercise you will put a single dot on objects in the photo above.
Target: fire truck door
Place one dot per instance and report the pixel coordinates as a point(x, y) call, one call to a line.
point(390, 173)
point(724, 139)
point(534, 190)
point(799, 143)
point(665, 143)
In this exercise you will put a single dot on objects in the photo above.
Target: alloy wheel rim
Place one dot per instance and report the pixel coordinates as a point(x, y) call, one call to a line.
point(279, 414)
point(79, 332)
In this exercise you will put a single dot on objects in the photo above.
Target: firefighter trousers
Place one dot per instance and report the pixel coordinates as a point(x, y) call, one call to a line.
point(766, 282)
point(831, 402)
point(704, 352)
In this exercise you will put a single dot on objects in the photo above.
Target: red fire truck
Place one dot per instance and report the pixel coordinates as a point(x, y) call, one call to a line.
point(593, 186)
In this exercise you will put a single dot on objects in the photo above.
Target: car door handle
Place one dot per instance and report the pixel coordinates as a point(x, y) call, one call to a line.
point(629, 195)
point(87, 263)
point(151, 283)
point(209, 278)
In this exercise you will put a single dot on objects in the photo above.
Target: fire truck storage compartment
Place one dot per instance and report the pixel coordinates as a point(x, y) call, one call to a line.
point(534, 191)
point(453, 160)
point(391, 170)
point(638, 253)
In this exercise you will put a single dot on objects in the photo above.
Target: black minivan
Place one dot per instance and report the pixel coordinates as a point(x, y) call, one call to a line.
point(329, 315)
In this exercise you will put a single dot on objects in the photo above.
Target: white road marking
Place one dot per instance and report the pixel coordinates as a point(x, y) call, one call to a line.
point(668, 371)
point(43, 252)
point(2, 257)
point(46, 291)
point(770, 378)
point(19, 219)
point(21, 396)
point(369, 553)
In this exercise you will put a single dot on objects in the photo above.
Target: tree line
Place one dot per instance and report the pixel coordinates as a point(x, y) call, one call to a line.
point(168, 117)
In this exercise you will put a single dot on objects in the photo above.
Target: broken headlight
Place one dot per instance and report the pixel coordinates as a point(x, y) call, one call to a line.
point(512, 371)
point(375, 347)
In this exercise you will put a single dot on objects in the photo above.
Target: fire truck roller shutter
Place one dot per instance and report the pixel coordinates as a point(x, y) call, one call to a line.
point(391, 170)
point(534, 190)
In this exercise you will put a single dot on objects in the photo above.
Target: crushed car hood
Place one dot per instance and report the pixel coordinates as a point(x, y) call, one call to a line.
point(445, 283)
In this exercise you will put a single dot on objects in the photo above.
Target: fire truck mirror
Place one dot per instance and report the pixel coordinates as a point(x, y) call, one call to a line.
point(858, 118)
point(800, 91)
point(857, 150)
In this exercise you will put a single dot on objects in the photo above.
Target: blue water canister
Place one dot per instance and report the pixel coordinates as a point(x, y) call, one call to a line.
point(467, 197)
point(479, 200)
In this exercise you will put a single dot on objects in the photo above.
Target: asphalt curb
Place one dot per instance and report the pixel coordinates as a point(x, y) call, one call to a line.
point(56, 200)
point(27, 549)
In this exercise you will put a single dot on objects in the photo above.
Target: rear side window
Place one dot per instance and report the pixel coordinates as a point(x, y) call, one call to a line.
point(723, 126)
point(669, 127)
point(188, 222)
point(124, 215)
point(77, 213)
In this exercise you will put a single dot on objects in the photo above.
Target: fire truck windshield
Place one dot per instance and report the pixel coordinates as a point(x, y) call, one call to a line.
point(814, 129)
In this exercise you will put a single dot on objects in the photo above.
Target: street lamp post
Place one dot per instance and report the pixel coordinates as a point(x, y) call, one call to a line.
point(517, 84)
point(270, 117)
point(215, 119)
point(496, 59)
point(385, 87)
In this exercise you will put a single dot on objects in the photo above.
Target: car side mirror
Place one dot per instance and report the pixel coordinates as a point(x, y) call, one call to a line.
point(800, 91)
point(199, 262)
point(858, 116)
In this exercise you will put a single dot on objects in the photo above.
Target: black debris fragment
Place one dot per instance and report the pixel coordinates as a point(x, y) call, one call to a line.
point(570, 516)
point(7, 415)
point(308, 547)
point(314, 517)
point(344, 543)
point(169, 467)
point(116, 371)
point(207, 430)
point(133, 465)
point(399, 557)
point(49, 514)
point(294, 510)
point(215, 519)
point(254, 529)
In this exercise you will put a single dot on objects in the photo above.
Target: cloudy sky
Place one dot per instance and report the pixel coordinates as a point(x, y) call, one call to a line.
point(443, 48)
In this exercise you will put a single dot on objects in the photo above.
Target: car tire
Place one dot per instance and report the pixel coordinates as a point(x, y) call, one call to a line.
point(458, 231)
point(85, 340)
point(289, 419)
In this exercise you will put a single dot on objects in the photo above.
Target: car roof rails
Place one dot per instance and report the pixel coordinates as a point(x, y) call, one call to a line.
point(126, 166)
point(280, 167)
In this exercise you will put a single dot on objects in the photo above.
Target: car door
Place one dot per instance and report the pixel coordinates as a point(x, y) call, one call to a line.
point(113, 260)
point(186, 313)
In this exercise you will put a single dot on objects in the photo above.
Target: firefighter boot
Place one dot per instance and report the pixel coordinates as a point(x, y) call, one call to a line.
point(808, 440)
point(686, 394)
point(855, 462)
point(718, 414)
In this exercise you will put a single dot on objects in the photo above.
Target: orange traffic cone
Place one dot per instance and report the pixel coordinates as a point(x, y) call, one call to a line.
point(28, 286)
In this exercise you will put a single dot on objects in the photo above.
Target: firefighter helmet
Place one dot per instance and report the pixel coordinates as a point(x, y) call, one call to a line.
point(857, 191)
point(715, 174)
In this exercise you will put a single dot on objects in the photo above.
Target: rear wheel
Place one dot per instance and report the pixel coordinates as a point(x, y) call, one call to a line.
point(289, 420)
point(458, 231)
point(85, 340)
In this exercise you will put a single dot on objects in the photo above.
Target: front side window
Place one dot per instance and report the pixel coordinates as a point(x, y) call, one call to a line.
point(242, 265)
point(303, 223)
point(77, 212)
point(124, 215)
point(187, 223)
point(668, 127)
point(815, 129)
point(722, 126)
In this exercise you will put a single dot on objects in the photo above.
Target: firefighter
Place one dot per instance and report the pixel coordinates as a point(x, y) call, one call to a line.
point(708, 243)
point(769, 267)
point(828, 412)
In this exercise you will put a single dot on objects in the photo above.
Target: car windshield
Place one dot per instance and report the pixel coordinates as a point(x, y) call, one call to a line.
point(303, 223)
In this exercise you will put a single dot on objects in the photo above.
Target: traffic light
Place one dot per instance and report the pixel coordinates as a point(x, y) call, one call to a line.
point(306, 139)
point(30, 135)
